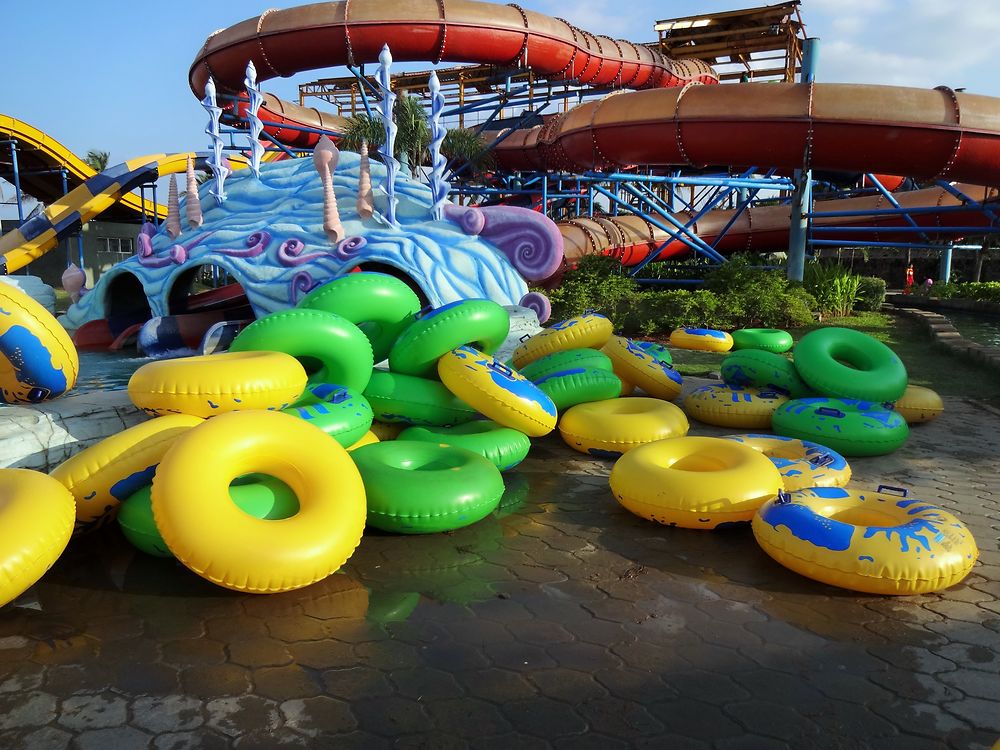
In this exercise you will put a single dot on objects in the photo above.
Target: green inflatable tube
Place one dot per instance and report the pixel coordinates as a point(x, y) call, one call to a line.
point(380, 305)
point(579, 385)
point(769, 339)
point(405, 398)
point(760, 369)
point(593, 359)
point(480, 323)
point(260, 495)
point(505, 447)
point(848, 426)
point(422, 488)
point(846, 363)
point(330, 347)
point(342, 413)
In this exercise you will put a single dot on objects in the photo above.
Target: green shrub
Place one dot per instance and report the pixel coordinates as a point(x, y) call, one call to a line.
point(834, 287)
point(871, 293)
point(983, 291)
point(597, 283)
point(736, 295)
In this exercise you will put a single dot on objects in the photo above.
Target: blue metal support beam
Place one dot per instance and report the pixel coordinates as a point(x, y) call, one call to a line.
point(894, 203)
point(798, 234)
point(968, 199)
point(682, 233)
point(945, 266)
point(360, 75)
point(17, 182)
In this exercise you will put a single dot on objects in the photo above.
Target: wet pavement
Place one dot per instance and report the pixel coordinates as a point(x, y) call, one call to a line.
point(561, 621)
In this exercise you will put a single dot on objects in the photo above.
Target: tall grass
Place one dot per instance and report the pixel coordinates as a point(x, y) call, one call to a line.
point(835, 288)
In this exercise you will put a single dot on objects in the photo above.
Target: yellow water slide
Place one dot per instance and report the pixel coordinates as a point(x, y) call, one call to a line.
point(41, 157)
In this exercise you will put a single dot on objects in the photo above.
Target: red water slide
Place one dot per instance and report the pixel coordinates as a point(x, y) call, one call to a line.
point(920, 133)
point(285, 42)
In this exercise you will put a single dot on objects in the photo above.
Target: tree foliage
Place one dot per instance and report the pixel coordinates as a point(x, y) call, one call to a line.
point(97, 160)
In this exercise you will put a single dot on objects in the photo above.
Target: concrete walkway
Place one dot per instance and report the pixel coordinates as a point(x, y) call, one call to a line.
point(561, 621)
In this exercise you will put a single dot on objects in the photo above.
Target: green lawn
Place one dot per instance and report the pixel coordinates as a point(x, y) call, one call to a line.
point(926, 364)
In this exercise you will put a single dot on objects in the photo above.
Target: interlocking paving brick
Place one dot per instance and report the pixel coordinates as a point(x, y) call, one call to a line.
point(695, 719)
point(355, 683)
point(34, 709)
point(569, 685)
point(284, 683)
point(93, 712)
point(46, 738)
point(468, 718)
point(193, 652)
point(168, 713)
point(210, 682)
point(258, 652)
point(118, 738)
point(979, 713)
point(543, 717)
point(236, 716)
point(201, 740)
point(391, 716)
point(320, 715)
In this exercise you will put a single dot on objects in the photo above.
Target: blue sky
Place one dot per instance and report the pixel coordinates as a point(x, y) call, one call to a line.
point(112, 74)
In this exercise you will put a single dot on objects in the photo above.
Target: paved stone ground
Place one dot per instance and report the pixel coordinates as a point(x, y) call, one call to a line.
point(562, 621)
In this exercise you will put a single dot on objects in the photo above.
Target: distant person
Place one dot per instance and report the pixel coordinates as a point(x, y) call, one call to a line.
point(908, 289)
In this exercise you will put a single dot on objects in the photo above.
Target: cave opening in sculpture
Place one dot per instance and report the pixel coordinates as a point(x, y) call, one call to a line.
point(126, 300)
point(205, 288)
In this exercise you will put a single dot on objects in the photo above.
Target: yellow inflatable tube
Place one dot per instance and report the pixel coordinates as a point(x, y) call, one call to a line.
point(876, 542)
point(638, 367)
point(208, 532)
point(701, 339)
point(919, 404)
point(694, 482)
point(610, 428)
point(801, 463)
point(728, 406)
point(102, 476)
point(218, 383)
point(36, 520)
point(587, 331)
point(502, 394)
point(37, 358)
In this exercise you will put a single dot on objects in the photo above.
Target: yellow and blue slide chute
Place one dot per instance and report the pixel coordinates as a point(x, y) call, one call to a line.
point(66, 215)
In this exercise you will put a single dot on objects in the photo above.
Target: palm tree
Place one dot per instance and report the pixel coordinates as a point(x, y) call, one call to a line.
point(412, 134)
point(462, 145)
point(97, 160)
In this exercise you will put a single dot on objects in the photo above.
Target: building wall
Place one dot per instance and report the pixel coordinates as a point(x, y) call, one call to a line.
point(104, 244)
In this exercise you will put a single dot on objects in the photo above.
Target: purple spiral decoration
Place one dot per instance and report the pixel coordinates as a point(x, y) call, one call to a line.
point(530, 240)
point(144, 252)
point(301, 283)
point(148, 228)
point(143, 245)
point(469, 218)
point(350, 247)
point(177, 254)
point(539, 303)
point(254, 244)
point(290, 253)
